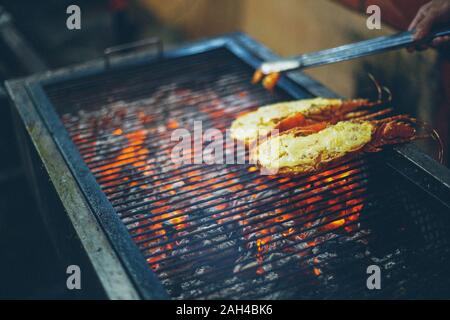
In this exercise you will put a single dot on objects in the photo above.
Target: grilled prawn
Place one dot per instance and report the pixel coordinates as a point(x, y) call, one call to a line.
point(312, 115)
point(269, 81)
point(295, 153)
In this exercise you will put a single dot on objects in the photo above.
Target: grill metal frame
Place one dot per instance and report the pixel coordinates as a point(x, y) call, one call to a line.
point(417, 167)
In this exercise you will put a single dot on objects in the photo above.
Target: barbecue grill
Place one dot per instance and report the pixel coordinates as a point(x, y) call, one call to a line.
point(155, 229)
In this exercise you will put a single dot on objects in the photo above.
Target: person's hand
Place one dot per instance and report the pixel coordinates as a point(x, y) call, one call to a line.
point(429, 15)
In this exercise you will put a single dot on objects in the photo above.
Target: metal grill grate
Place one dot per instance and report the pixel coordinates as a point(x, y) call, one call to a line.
point(225, 231)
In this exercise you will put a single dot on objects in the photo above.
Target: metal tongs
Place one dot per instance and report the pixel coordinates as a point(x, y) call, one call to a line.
point(272, 69)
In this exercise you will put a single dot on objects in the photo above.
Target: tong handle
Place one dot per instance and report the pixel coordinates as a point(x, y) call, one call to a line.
point(365, 48)
point(350, 51)
point(156, 41)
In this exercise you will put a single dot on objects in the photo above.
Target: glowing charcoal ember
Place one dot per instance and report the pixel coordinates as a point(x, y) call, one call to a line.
point(197, 223)
point(317, 271)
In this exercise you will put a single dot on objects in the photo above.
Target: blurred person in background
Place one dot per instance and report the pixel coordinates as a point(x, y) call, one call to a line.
point(430, 15)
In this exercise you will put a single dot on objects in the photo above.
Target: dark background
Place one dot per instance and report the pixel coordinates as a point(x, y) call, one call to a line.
point(29, 265)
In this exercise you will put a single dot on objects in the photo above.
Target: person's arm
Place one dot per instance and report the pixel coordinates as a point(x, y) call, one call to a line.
point(429, 15)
